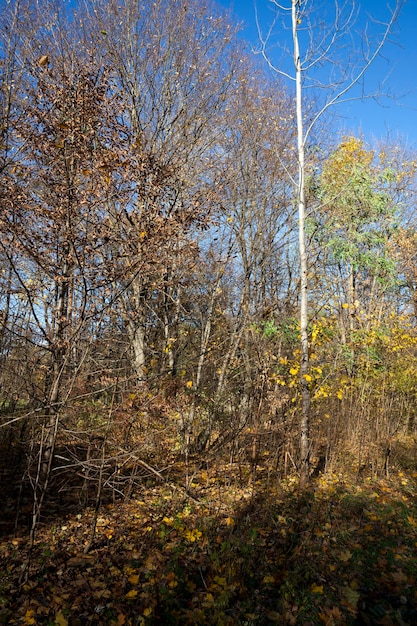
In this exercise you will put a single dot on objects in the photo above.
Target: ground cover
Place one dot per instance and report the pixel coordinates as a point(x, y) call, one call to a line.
point(341, 552)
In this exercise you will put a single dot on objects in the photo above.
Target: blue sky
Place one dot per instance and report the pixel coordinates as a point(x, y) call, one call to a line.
point(395, 117)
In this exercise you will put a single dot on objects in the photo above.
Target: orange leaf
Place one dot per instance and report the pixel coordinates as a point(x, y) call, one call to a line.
point(134, 579)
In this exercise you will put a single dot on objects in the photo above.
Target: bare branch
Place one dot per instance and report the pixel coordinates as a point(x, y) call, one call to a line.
point(360, 74)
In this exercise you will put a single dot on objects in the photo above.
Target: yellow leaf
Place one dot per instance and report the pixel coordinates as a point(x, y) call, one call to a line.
point(60, 619)
point(134, 579)
point(193, 535)
point(189, 384)
point(147, 611)
point(121, 620)
point(230, 521)
point(308, 378)
point(29, 619)
point(317, 588)
point(131, 595)
point(345, 556)
point(267, 580)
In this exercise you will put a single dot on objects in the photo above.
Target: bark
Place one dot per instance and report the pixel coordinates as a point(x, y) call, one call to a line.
point(304, 361)
point(137, 339)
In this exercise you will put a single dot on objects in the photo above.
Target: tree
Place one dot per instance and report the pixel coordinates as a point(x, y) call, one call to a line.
point(113, 164)
point(53, 223)
point(359, 216)
point(322, 38)
point(174, 101)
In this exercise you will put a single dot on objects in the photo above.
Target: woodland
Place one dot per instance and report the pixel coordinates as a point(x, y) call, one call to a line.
point(152, 385)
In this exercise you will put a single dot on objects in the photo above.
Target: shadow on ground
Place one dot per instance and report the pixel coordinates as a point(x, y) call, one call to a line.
point(340, 553)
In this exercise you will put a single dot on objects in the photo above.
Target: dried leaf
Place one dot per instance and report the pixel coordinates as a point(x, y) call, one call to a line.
point(345, 556)
point(350, 598)
point(60, 619)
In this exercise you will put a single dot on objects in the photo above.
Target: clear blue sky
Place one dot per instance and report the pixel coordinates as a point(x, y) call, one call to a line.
point(396, 117)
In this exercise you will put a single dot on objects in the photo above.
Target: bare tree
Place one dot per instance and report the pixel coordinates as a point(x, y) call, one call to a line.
point(174, 99)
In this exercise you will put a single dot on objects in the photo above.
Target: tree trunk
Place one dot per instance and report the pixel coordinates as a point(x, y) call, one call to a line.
point(304, 361)
point(137, 339)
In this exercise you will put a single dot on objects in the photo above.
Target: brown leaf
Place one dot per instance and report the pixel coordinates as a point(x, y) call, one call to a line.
point(80, 561)
point(399, 576)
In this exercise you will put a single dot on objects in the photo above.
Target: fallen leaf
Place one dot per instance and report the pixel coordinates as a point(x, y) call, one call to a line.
point(399, 576)
point(350, 598)
point(80, 561)
point(60, 619)
point(268, 580)
point(273, 616)
point(29, 619)
point(134, 579)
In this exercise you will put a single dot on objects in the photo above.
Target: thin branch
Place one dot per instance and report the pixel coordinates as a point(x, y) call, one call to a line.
point(338, 97)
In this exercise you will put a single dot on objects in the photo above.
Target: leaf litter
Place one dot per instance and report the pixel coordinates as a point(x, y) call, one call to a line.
point(337, 553)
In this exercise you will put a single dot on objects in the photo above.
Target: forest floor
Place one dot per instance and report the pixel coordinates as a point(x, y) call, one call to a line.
point(342, 552)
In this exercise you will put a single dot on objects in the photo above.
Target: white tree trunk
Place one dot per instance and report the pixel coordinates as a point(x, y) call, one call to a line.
point(304, 360)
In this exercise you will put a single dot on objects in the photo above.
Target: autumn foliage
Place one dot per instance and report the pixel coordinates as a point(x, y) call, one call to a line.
point(150, 394)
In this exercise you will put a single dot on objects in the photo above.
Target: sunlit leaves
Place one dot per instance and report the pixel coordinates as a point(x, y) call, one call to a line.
point(193, 535)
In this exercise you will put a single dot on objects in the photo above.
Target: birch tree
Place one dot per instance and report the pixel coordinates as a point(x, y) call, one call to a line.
point(332, 59)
